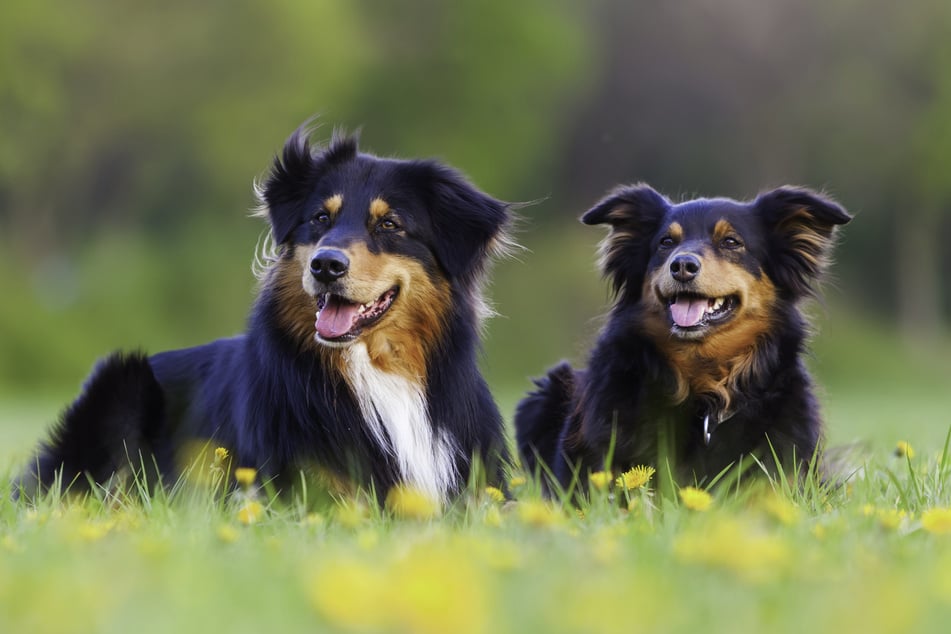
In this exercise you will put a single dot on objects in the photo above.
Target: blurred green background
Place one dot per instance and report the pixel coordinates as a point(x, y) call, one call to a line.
point(130, 134)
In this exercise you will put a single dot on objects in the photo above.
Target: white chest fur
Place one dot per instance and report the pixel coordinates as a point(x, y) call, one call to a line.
point(395, 409)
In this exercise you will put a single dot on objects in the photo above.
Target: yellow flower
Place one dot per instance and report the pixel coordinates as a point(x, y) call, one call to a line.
point(221, 454)
point(351, 514)
point(495, 494)
point(695, 499)
point(737, 546)
point(635, 478)
point(227, 533)
point(890, 519)
point(903, 449)
point(411, 503)
point(516, 482)
point(537, 513)
point(937, 521)
point(245, 476)
point(781, 509)
point(250, 512)
point(600, 480)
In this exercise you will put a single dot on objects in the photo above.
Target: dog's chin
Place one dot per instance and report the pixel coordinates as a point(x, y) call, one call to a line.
point(695, 317)
point(341, 321)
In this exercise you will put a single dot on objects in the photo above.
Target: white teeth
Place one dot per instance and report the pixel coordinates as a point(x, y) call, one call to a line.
point(716, 304)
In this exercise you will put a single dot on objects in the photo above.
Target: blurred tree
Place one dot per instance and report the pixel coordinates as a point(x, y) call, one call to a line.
point(737, 96)
point(143, 113)
point(485, 84)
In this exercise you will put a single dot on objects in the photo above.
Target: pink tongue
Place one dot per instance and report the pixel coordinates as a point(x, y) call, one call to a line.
point(688, 311)
point(336, 319)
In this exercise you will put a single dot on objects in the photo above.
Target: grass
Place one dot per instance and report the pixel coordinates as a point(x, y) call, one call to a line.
point(871, 556)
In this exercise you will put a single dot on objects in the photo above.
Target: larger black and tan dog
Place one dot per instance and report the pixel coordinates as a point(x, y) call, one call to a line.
point(360, 351)
point(700, 360)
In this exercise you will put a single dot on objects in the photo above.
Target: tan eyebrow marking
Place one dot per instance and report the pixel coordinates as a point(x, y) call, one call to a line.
point(334, 203)
point(379, 208)
point(675, 231)
point(722, 229)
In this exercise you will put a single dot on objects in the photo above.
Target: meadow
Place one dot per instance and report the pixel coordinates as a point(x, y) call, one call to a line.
point(872, 554)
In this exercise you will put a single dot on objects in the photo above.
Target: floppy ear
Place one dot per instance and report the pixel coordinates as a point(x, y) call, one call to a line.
point(634, 213)
point(284, 195)
point(469, 225)
point(800, 225)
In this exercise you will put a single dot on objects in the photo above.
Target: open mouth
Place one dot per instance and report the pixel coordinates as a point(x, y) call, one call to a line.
point(340, 320)
point(691, 313)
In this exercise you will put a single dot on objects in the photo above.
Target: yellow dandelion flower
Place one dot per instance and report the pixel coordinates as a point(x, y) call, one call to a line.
point(351, 514)
point(91, 531)
point(517, 482)
point(868, 510)
point(221, 454)
point(781, 509)
point(695, 499)
point(495, 494)
point(537, 513)
point(937, 521)
point(227, 534)
point(903, 449)
point(250, 512)
point(736, 546)
point(600, 480)
point(411, 503)
point(314, 519)
point(635, 478)
point(245, 476)
point(890, 519)
point(351, 594)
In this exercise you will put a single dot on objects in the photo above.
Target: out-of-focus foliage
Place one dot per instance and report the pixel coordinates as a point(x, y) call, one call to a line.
point(130, 135)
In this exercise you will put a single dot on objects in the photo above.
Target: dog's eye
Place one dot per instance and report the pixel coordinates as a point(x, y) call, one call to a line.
point(730, 243)
point(387, 224)
point(320, 218)
point(667, 242)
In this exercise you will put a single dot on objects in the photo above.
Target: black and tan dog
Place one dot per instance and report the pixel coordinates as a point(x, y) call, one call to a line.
point(360, 354)
point(700, 361)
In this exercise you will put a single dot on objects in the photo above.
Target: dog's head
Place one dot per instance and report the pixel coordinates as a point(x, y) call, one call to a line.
point(372, 244)
point(710, 268)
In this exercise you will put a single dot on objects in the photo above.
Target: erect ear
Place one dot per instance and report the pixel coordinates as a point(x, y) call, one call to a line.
point(800, 225)
point(469, 225)
point(284, 194)
point(634, 213)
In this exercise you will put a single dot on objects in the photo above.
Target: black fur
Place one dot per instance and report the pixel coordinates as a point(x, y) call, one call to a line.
point(275, 396)
point(649, 384)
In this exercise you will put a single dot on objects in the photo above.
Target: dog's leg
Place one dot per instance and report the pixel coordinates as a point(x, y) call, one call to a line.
point(109, 429)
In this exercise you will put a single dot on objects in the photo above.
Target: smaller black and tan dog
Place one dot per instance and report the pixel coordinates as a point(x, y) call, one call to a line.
point(360, 355)
point(700, 361)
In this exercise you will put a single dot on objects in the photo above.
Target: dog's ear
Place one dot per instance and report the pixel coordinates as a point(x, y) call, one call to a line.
point(801, 226)
point(285, 192)
point(468, 224)
point(634, 213)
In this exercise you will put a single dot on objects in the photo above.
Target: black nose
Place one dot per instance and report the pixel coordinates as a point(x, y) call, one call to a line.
point(328, 265)
point(685, 267)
